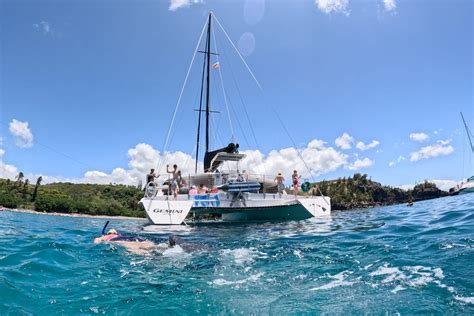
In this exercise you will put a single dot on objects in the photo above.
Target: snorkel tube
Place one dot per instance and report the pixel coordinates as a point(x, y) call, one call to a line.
point(105, 227)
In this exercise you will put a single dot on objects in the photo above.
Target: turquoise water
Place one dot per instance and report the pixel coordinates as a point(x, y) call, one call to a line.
point(392, 259)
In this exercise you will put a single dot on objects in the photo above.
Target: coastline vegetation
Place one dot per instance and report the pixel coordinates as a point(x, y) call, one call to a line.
point(71, 198)
point(357, 191)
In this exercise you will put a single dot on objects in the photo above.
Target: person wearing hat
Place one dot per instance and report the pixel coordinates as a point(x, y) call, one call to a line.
point(193, 190)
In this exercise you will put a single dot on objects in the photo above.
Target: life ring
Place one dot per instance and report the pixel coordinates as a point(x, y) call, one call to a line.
point(151, 190)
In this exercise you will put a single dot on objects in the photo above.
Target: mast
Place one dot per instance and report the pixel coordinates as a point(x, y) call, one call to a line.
point(468, 132)
point(200, 111)
point(208, 52)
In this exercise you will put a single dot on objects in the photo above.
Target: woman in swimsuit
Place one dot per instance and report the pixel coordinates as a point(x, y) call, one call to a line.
point(296, 182)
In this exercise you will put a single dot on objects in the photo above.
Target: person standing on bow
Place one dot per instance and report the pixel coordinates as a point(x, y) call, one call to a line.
point(173, 189)
point(151, 176)
point(279, 179)
point(296, 182)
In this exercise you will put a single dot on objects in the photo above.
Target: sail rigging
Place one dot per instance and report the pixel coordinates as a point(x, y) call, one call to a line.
point(468, 132)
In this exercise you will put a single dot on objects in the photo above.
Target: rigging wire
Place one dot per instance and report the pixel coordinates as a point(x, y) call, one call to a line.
point(160, 163)
point(271, 107)
point(57, 151)
point(246, 113)
point(222, 85)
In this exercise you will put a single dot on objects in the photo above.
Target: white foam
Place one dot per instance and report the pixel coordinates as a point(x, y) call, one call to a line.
point(297, 253)
point(243, 256)
point(338, 281)
point(398, 288)
point(252, 278)
point(438, 273)
point(467, 300)
point(175, 251)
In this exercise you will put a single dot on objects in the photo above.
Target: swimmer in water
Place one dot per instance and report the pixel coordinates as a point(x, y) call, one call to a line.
point(133, 244)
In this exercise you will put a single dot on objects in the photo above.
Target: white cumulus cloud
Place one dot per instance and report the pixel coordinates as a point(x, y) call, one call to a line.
point(43, 27)
point(345, 141)
point(398, 160)
point(319, 159)
point(419, 137)
point(362, 146)
point(22, 133)
point(444, 142)
point(431, 151)
point(178, 4)
point(333, 6)
point(444, 185)
point(7, 171)
point(389, 5)
point(360, 164)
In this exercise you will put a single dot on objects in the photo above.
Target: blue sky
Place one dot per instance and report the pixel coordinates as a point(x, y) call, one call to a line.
point(94, 79)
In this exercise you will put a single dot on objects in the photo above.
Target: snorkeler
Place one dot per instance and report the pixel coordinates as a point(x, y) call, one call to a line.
point(133, 244)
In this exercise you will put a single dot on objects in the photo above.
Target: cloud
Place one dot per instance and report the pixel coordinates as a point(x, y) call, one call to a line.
point(360, 164)
point(389, 5)
point(444, 142)
point(431, 151)
point(399, 159)
point(22, 133)
point(345, 141)
point(444, 185)
point(319, 158)
point(362, 146)
point(418, 137)
point(43, 27)
point(333, 6)
point(6, 171)
point(179, 4)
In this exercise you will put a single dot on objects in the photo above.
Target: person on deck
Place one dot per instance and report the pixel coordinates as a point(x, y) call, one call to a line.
point(296, 182)
point(279, 179)
point(193, 190)
point(214, 190)
point(174, 172)
point(151, 176)
point(202, 189)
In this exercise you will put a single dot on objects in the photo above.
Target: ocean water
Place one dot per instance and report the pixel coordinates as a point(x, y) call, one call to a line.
point(387, 260)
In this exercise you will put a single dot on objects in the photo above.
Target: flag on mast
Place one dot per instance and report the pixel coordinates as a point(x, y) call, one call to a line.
point(216, 65)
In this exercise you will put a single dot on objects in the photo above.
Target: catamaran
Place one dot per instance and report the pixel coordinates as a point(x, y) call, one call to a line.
point(237, 196)
point(468, 185)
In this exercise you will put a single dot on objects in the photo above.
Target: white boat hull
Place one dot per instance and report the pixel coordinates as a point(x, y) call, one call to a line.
point(163, 211)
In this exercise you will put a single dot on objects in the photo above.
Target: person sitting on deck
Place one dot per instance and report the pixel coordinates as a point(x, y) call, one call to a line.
point(193, 190)
point(214, 190)
point(202, 189)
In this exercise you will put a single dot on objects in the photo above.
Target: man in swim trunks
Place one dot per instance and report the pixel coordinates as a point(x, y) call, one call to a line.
point(279, 179)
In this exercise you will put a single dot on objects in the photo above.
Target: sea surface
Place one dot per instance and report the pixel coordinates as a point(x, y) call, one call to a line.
point(386, 260)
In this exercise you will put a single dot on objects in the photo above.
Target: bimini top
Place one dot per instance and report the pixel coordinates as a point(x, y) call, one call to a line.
point(213, 159)
point(222, 156)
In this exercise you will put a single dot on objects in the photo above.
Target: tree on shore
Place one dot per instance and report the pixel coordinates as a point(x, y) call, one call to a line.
point(19, 178)
point(35, 192)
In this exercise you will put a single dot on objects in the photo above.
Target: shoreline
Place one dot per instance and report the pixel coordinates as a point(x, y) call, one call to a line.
point(68, 214)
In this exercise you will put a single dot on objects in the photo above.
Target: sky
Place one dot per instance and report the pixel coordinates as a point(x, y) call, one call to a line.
point(88, 88)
